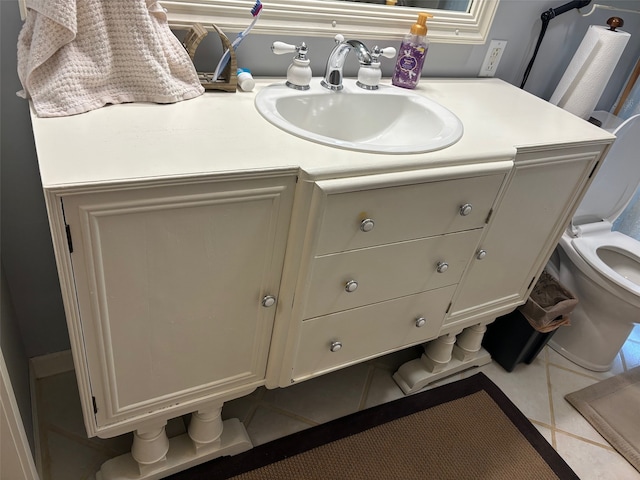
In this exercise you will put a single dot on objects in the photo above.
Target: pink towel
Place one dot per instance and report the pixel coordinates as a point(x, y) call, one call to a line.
point(79, 55)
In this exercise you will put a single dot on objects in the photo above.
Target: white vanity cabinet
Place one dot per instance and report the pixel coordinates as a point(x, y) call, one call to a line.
point(176, 290)
point(197, 262)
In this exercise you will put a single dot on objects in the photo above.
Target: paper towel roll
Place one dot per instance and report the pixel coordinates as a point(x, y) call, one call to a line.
point(589, 71)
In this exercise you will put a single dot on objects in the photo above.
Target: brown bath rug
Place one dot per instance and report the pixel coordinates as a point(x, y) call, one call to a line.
point(468, 429)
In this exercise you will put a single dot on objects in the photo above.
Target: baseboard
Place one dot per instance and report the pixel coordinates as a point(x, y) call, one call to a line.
point(51, 364)
point(35, 419)
point(41, 367)
point(19, 463)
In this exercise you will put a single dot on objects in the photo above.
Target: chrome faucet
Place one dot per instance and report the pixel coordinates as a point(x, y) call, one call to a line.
point(333, 73)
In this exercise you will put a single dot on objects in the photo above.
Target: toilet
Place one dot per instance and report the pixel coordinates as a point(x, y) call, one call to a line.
point(599, 266)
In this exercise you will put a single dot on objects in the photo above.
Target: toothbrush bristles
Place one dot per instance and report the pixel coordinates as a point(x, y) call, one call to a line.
point(256, 8)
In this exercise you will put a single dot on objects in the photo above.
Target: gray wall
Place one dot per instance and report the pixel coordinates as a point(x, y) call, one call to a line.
point(12, 350)
point(27, 254)
point(11, 339)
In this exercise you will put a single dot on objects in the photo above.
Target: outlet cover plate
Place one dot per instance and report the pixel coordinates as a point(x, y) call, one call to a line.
point(492, 59)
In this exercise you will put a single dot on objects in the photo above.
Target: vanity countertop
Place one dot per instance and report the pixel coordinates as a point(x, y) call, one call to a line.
point(219, 133)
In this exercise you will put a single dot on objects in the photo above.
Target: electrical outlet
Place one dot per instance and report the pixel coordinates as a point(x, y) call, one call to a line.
point(492, 59)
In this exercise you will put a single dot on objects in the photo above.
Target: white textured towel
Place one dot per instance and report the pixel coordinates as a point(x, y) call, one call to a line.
point(79, 55)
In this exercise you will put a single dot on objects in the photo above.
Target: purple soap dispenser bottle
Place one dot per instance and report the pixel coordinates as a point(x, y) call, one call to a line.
point(413, 49)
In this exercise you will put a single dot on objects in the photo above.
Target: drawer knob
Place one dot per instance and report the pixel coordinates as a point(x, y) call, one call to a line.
point(351, 286)
point(367, 225)
point(335, 346)
point(442, 267)
point(269, 301)
point(466, 209)
point(421, 322)
point(481, 254)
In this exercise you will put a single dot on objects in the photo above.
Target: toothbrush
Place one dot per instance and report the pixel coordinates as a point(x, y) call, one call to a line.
point(255, 11)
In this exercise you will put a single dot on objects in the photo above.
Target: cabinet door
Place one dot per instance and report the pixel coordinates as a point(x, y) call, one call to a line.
point(170, 282)
point(541, 196)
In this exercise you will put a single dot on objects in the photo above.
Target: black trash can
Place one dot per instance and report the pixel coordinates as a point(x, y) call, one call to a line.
point(520, 335)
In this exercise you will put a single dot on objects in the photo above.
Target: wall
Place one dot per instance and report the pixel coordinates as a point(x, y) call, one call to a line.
point(27, 253)
point(517, 21)
point(12, 350)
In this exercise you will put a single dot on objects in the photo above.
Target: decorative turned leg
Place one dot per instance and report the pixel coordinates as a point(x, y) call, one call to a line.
point(149, 449)
point(153, 456)
point(469, 342)
point(437, 353)
point(206, 427)
point(438, 362)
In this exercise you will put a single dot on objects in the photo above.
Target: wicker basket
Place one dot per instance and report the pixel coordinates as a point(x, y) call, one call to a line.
point(549, 304)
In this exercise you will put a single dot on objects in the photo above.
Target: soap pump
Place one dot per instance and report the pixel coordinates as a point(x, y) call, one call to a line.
point(413, 50)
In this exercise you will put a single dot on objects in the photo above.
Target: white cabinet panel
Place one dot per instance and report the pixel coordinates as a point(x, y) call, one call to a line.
point(534, 211)
point(170, 282)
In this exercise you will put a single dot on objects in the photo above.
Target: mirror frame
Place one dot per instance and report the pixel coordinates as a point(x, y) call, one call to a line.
point(327, 18)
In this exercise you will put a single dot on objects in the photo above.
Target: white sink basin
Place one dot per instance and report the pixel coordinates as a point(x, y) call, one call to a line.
point(387, 120)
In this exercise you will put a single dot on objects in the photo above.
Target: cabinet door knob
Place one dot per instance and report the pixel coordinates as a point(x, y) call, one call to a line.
point(335, 346)
point(481, 254)
point(367, 225)
point(442, 267)
point(351, 286)
point(268, 301)
point(421, 322)
point(466, 209)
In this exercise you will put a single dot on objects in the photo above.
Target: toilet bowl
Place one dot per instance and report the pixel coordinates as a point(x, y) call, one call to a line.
point(599, 266)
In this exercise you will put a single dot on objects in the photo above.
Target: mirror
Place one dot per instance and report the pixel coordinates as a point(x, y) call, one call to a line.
point(456, 5)
point(455, 21)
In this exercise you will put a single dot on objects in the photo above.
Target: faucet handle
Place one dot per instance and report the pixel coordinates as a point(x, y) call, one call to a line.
point(387, 52)
point(339, 38)
point(299, 72)
point(369, 75)
point(280, 48)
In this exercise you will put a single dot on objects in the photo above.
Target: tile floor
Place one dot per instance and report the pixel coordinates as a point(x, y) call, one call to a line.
point(537, 389)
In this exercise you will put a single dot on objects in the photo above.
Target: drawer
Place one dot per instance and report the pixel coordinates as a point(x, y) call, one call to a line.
point(405, 212)
point(387, 271)
point(370, 331)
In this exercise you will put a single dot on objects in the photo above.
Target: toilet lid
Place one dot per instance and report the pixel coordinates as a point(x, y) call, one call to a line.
point(617, 179)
